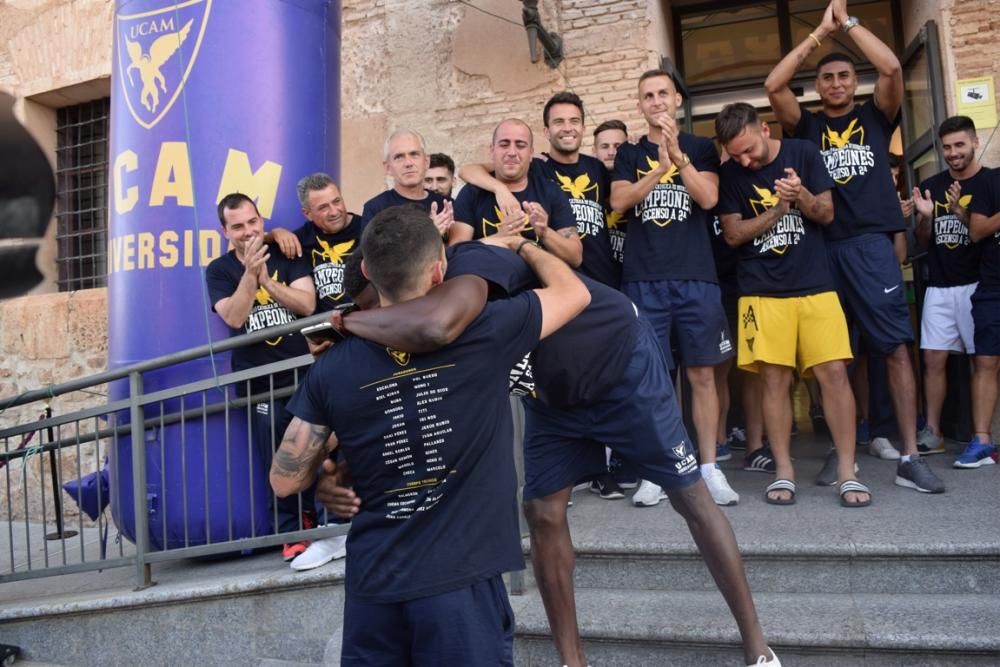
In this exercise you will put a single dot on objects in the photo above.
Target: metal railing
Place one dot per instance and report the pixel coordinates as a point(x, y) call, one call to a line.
point(176, 426)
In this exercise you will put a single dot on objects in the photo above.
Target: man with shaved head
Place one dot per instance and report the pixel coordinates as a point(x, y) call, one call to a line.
point(405, 161)
point(539, 212)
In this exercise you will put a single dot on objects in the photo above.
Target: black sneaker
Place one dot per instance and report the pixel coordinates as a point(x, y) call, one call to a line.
point(916, 474)
point(760, 460)
point(737, 439)
point(606, 488)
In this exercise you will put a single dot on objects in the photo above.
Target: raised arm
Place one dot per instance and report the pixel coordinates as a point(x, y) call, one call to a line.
point(287, 241)
point(703, 186)
point(981, 226)
point(736, 230)
point(564, 242)
point(779, 93)
point(478, 174)
point(298, 297)
point(235, 309)
point(889, 87)
point(298, 458)
point(818, 208)
point(924, 206)
point(424, 324)
point(625, 194)
point(562, 295)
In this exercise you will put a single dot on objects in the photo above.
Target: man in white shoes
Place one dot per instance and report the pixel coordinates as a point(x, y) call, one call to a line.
point(320, 552)
point(669, 181)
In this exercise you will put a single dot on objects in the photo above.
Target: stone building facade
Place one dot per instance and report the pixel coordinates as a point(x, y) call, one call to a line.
point(448, 68)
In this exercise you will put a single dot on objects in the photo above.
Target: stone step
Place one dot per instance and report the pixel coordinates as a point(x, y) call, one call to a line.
point(797, 569)
point(639, 628)
point(244, 611)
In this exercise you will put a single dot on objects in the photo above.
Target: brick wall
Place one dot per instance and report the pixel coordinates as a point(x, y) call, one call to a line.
point(479, 73)
point(971, 27)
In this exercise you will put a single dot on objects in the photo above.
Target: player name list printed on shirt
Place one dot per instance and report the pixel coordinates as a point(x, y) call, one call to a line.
point(416, 450)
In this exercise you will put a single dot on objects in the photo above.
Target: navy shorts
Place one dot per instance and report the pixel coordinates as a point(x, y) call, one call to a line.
point(986, 320)
point(871, 290)
point(470, 626)
point(692, 310)
point(638, 419)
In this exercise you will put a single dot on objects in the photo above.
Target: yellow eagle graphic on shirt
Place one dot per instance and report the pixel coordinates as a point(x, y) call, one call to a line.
point(834, 139)
point(653, 164)
point(334, 254)
point(768, 200)
point(578, 187)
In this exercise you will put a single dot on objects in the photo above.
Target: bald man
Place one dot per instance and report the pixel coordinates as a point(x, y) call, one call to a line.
point(541, 212)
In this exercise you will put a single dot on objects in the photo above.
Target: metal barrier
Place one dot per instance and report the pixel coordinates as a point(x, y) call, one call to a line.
point(91, 435)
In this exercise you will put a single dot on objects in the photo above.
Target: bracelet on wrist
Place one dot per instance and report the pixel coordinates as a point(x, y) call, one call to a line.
point(523, 243)
point(685, 161)
point(816, 39)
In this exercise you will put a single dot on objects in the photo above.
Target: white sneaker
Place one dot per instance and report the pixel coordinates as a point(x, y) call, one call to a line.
point(763, 661)
point(321, 552)
point(648, 495)
point(722, 493)
point(883, 449)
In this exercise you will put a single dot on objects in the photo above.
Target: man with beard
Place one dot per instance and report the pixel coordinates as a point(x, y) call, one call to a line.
point(942, 203)
point(535, 210)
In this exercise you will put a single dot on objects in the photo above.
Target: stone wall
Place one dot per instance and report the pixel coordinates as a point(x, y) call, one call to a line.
point(967, 32)
point(479, 72)
point(46, 340)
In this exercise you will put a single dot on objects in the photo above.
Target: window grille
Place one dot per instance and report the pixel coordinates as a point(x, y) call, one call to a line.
point(81, 195)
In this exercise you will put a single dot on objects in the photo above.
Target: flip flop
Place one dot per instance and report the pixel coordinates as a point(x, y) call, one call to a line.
point(780, 485)
point(854, 486)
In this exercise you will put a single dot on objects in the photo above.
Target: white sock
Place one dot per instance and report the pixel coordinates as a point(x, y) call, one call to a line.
point(905, 458)
point(706, 469)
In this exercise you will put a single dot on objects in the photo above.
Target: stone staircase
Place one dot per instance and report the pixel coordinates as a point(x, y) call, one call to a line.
point(912, 581)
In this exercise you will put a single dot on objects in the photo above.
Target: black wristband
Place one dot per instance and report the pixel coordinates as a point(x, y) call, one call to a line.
point(523, 243)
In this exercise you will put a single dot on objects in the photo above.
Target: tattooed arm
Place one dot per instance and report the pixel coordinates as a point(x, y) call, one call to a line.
point(297, 460)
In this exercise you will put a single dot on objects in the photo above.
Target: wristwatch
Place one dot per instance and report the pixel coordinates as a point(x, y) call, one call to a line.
point(849, 23)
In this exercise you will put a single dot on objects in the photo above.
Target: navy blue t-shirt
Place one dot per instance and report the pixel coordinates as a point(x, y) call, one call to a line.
point(390, 198)
point(578, 364)
point(586, 186)
point(326, 254)
point(989, 205)
point(726, 258)
point(668, 230)
point(428, 439)
point(223, 276)
point(478, 208)
point(855, 147)
point(790, 258)
point(952, 258)
point(617, 229)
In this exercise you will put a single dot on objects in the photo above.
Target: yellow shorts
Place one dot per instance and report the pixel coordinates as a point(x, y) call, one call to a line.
point(795, 331)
